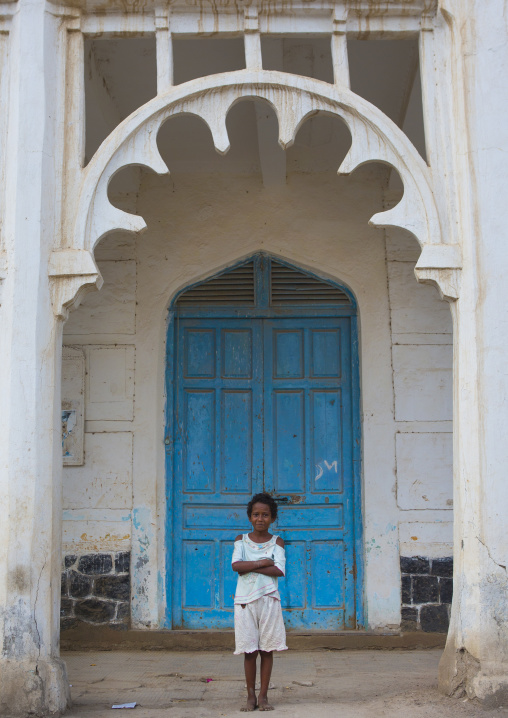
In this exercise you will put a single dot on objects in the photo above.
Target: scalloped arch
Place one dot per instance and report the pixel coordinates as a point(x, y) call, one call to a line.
point(294, 99)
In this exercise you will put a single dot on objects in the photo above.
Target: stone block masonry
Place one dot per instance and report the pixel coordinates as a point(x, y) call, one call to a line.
point(426, 588)
point(96, 589)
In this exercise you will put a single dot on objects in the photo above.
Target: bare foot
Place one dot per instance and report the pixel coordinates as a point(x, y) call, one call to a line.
point(250, 705)
point(263, 704)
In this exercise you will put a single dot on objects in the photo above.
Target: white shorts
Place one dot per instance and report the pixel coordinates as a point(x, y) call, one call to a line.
point(259, 626)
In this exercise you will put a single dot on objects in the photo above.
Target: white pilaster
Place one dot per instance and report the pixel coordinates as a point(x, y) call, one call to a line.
point(32, 678)
point(74, 132)
point(465, 100)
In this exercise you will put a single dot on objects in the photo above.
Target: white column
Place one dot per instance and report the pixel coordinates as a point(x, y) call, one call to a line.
point(32, 678)
point(252, 40)
point(164, 50)
point(74, 133)
point(340, 60)
point(466, 102)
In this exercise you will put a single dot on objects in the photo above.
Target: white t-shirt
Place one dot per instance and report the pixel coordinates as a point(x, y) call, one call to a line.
point(252, 586)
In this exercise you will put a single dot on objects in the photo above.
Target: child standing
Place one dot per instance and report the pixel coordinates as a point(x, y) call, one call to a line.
point(259, 559)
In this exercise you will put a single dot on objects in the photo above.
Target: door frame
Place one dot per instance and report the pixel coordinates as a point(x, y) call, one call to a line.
point(171, 359)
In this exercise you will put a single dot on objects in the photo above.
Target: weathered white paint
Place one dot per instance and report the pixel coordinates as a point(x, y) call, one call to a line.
point(105, 482)
point(426, 537)
point(110, 383)
point(414, 309)
point(423, 381)
point(424, 471)
point(32, 677)
point(73, 401)
point(452, 205)
point(95, 535)
point(116, 312)
point(476, 655)
point(420, 326)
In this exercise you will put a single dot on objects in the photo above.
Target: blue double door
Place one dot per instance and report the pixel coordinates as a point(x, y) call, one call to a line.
point(264, 404)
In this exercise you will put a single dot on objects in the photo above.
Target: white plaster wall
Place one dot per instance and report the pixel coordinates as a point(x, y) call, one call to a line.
point(421, 327)
point(97, 497)
point(198, 225)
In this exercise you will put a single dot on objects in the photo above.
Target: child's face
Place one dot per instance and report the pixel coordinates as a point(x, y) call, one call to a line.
point(261, 517)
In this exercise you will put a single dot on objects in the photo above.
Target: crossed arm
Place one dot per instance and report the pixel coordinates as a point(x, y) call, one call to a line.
point(265, 565)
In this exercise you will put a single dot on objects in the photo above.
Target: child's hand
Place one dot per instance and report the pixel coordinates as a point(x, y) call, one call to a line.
point(243, 567)
point(250, 566)
point(265, 562)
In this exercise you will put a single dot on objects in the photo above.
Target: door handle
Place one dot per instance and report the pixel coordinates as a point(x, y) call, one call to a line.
point(284, 499)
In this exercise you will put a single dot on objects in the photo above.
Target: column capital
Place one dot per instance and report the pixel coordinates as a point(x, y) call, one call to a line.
point(339, 20)
point(161, 16)
point(427, 23)
point(73, 273)
point(440, 265)
point(251, 20)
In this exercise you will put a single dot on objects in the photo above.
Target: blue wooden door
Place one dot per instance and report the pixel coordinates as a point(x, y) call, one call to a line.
point(264, 400)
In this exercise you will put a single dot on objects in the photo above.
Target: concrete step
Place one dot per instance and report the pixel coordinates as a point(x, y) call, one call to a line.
point(88, 637)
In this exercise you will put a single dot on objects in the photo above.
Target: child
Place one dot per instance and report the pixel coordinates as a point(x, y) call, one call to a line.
point(259, 558)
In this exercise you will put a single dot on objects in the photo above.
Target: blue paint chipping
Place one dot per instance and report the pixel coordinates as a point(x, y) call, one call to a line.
point(264, 398)
point(141, 524)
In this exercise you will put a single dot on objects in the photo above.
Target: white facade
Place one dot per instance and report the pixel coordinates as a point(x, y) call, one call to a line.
point(64, 234)
point(117, 498)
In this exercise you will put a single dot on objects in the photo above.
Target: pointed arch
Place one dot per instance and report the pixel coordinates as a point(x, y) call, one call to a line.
point(203, 365)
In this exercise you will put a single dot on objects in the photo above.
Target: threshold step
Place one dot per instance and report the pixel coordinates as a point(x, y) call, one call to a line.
point(87, 637)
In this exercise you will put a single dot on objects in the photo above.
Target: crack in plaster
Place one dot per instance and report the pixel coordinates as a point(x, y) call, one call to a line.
point(490, 555)
point(35, 611)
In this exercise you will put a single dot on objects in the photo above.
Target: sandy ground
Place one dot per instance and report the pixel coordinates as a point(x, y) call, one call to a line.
point(399, 684)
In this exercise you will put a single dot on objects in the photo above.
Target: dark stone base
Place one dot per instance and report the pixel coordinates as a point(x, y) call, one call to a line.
point(426, 593)
point(96, 590)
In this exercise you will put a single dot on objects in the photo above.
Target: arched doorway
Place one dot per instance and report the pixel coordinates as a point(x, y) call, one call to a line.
point(263, 395)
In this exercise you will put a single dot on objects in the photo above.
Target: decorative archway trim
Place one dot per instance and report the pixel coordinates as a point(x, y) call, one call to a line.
point(375, 138)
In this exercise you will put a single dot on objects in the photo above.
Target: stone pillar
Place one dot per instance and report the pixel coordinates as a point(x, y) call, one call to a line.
point(471, 60)
point(32, 678)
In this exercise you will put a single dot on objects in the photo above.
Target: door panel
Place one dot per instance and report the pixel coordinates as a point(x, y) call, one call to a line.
point(287, 440)
point(264, 404)
point(326, 440)
point(199, 444)
point(236, 447)
point(325, 355)
point(198, 565)
point(287, 354)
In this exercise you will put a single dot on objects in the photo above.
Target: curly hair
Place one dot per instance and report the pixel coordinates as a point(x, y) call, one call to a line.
point(263, 499)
